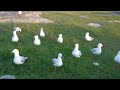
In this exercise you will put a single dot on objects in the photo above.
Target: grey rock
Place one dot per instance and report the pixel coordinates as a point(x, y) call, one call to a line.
point(94, 24)
point(7, 77)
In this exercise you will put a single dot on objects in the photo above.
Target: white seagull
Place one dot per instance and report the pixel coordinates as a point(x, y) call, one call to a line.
point(42, 34)
point(97, 50)
point(60, 39)
point(15, 37)
point(17, 29)
point(17, 58)
point(117, 57)
point(36, 40)
point(57, 62)
point(76, 52)
point(87, 37)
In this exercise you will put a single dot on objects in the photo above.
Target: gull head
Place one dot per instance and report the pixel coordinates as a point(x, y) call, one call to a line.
point(76, 45)
point(100, 45)
point(15, 51)
point(87, 33)
point(17, 29)
point(36, 36)
point(41, 28)
point(59, 55)
point(60, 35)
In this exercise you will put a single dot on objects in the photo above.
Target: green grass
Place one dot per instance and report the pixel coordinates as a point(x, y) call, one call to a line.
point(39, 63)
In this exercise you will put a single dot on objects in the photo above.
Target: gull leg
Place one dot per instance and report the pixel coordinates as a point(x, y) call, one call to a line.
point(59, 69)
point(96, 58)
point(55, 68)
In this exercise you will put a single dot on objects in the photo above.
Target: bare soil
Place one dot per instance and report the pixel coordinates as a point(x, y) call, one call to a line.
point(25, 17)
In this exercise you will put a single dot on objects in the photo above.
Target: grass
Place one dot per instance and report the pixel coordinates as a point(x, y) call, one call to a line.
point(39, 63)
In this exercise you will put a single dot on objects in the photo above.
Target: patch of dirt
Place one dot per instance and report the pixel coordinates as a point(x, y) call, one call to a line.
point(25, 17)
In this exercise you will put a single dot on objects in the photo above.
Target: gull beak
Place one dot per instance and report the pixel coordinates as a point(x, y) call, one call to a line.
point(12, 51)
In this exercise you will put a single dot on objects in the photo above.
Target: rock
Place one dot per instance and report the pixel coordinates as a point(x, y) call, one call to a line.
point(26, 17)
point(116, 21)
point(83, 17)
point(95, 63)
point(7, 77)
point(110, 21)
point(94, 24)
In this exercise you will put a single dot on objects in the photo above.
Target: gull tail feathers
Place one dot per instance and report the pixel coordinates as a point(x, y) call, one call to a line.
point(91, 49)
point(26, 57)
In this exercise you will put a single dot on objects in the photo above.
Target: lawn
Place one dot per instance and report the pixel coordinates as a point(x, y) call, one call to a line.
point(69, 23)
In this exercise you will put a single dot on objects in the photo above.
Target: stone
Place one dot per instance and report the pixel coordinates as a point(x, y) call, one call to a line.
point(7, 77)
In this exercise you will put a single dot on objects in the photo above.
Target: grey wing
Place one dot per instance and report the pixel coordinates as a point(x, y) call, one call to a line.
point(54, 60)
point(115, 58)
point(94, 50)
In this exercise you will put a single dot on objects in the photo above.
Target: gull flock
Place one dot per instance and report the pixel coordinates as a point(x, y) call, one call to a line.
point(57, 62)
